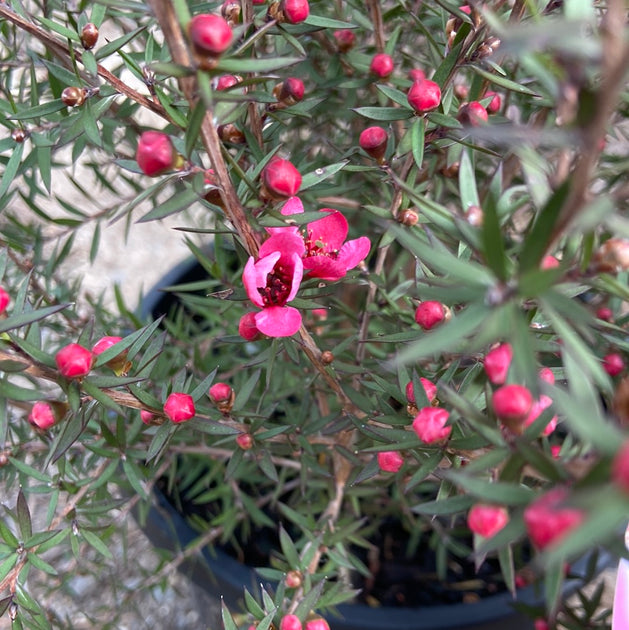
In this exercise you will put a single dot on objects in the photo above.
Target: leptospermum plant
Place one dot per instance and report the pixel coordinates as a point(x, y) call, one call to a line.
point(411, 221)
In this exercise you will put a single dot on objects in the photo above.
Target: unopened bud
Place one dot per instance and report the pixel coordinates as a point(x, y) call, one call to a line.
point(409, 218)
point(474, 216)
point(230, 10)
point(613, 255)
point(245, 441)
point(89, 36)
point(19, 135)
point(73, 96)
point(327, 357)
point(293, 579)
point(223, 396)
point(345, 40)
point(230, 133)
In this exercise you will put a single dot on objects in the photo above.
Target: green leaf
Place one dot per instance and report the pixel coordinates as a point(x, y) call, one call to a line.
point(29, 471)
point(289, 550)
point(538, 238)
point(244, 66)
point(64, 31)
point(493, 241)
point(22, 319)
point(178, 202)
point(112, 47)
point(242, 397)
point(228, 620)
point(395, 95)
point(11, 169)
point(94, 541)
point(40, 564)
point(451, 505)
point(23, 516)
point(383, 113)
point(467, 182)
point(503, 82)
point(320, 174)
point(101, 396)
point(417, 141)
point(323, 22)
point(39, 111)
point(503, 493)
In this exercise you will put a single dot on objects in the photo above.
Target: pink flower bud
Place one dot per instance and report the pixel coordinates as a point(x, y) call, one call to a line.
point(429, 314)
point(495, 104)
point(541, 624)
point(290, 622)
point(416, 74)
point(555, 451)
point(281, 178)
point(512, 404)
point(613, 363)
point(345, 39)
point(293, 579)
point(226, 81)
point(487, 520)
point(549, 262)
point(429, 387)
point(179, 407)
point(373, 141)
point(74, 361)
point(222, 395)
point(620, 468)
point(317, 624)
point(497, 362)
point(295, 11)
point(146, 416)
point(247, 328)
point(104, 344)
point(472, 114)
point(155, 154)
point(381, 65)
point(210, 34)
point(245, 441)
point(390, 461)
point(536, 411)
point(430, 425)
point(548, 520)
point(546, 375)
point(119, 362)
point(289, 91)
point(42, 415)
point(424, 96)
point(605, 313)
point(5, 298)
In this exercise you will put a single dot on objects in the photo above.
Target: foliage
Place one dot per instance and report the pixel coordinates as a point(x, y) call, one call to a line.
point(460, 213)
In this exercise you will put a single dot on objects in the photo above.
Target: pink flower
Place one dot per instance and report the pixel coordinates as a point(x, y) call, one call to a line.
point(327, 255)
point(430, 425)
point(273, 281)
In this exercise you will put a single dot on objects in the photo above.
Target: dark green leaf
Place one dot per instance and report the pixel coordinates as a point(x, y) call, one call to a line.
point(10, 170)
point(178, 202)
point(323, 22)
point(383, 113)
point(417, 141)
point(40, 110)
point(244, 66)
point(320, 174)
point(112, 47)
point(22, 319)
point(503, 493)
point(23, 516)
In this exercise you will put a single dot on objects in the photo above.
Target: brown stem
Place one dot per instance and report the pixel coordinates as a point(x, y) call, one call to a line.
point(378, 25)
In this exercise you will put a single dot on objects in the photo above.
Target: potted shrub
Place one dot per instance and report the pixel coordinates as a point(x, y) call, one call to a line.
point(401, 369)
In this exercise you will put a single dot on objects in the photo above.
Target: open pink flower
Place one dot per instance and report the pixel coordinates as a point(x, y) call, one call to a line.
point(327, 255)
point(273, 281)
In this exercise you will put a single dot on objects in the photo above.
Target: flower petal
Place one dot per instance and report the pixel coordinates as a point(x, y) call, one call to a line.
point(254, 275)
point(284, 242)
point(354, 252)
point(324, 267)
point(297, 275)
point(278, 321)
point(331, 230)
point(293, 206)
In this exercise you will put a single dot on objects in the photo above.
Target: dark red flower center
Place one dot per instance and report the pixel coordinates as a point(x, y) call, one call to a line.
point(278, 284)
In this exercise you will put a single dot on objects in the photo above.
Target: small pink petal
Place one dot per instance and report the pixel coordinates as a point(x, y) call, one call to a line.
point(284, 242)
point(293, 206)
point(254, 275)
point(324, 268)
point(620, 616)
point(331, 230)
point(297, 275)
point(354, 252)
point(278, 321)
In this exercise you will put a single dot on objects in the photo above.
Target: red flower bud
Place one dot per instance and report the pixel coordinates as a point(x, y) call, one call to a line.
point(381, 65)
point(497, 362)
point(5, 298)
point(424, 96)
point(541, 624)
point(179, 407)
point(42, 415)
point(289, 91)
point(472, 114)
point(430, 313)
point(487, 520)
point(74, 361)
point(222, 395)
point(416, 74)
point(548, 520)
point(495, 104)
point(546, 375)
point(345, 39)
point(295, 11)
point(281, 178)
point(605, 313)
point(512, 404)
point(620, 468)
point(408, 217)
point(538, 407)
point(247, 328)
point(210, 34)
point(429, 387)
point(373, 141)
point(245, 441)
point(613, 363)
point(146, 416)
point(317, 624)
point(89, 36)
point(290, 622)
point(430, 425)
point(555, 450)
point(155, 154)
point(390, 461)
point(549, 262)
point(226, 81)
point(104, 344)
point(293, 579)
point(117, 363)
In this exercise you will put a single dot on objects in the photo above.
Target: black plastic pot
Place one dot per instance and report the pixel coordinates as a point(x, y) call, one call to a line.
point(221, 576)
